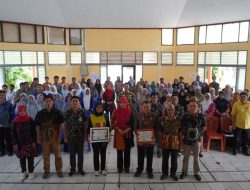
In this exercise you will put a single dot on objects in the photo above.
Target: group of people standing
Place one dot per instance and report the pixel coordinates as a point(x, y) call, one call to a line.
point(175, 114)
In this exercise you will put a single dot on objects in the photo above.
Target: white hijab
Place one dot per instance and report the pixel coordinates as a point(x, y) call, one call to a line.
point(86, 99)
point(206, 103)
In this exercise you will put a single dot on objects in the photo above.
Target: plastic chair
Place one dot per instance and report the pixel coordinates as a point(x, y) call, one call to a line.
point(227, 128)
point(212, 134)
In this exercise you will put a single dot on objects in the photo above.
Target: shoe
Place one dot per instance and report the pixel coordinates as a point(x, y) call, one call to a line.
point(197, 177)
point(119, 170)
point(60, 174)
point(23, 176)
point(158, 153)
point(82, 173)
point(150, 175)
point(163, 177)
point(104, 172)
point(96, 173)
point(127, 170)
point(183, 175)
point(45, 175)
point(174, 177)
point(137, 174)
point(31, 176)
point(200, 155)
point(71, 173)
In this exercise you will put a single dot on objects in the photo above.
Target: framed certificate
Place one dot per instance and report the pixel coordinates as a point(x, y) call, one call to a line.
point(99, 134)
point(145, 136)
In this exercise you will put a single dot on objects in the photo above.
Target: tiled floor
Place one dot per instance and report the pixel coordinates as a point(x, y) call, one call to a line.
point(219, 171)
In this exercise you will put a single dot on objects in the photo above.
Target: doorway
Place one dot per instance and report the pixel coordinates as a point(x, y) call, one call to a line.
point(128, 71)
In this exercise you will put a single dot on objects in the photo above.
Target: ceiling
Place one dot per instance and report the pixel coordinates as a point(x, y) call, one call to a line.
point(124, 13)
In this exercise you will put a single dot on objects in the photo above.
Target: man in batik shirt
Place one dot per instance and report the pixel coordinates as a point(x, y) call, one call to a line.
point(129, 95)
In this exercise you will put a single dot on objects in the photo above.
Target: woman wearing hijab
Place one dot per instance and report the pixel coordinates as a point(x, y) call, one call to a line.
point(98, 86)
point(199, 95)
point(59, 103)
point(109, 100)
point(204, 88)
point(87, 99)
point(190, 91)
point(53, 90)
point(40, 102)
point(24, 141)
point(187, 100)
point(65, 91)
point(67, 104)
point(212, 93)
point(206, 103)
point(122, 123)
point(228, 92)
point(22, 101)
point(32, 107)
point(47, 89)
point(99, 119)
point(182, 96)
point(222, 105)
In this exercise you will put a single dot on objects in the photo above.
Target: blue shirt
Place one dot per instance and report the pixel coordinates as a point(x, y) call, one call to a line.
point(6, 114)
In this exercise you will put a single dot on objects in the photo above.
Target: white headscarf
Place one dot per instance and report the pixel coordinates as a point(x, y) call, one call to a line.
point(32, 107)
point(86, 99)
point(206, 103)
point(65, 92)
point(47, 91)
point(55, 90)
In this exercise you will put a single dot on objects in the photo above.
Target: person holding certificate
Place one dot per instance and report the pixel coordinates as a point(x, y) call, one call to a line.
point(75, 129)
point(99, 120)
point(169, 135)
point(145, 126)
point(122, 123)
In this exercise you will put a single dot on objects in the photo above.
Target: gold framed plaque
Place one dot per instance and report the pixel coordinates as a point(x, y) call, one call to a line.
point(100, 134)
point(145, 136)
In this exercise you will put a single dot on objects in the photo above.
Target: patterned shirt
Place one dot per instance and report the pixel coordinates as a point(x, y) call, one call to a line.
point(179, 112)
point(157, 109)
point(75, 123)
point(130, 96)
point(192, 126)
point(6, 114)
point(49, 124)
point(169, 132)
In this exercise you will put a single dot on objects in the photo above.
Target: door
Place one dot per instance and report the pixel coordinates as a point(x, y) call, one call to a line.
point(128, 71)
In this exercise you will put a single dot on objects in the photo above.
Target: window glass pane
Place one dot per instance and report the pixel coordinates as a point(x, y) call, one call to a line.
point(41, 74)
point(244, 26)
point(12, 57)
point(128, 57)
point(75, 36)
point(185, 36)
point(75, 57)
point(1, 76)
point(201, 58)
point(138, 57)
point(212, 58)
point(149, 57)
point(242, 57)
point(39, 35)
point(230, 32)
point(92, 57)
point(166, 58)
point(138, 72)
point(167, 36)
point(201, 73)
point(214, 34)
point(103, 74)
point(241, 79)
point(56, 36)
point(29, 58)
point(202, 34)
point(114, 71)
point(229, 58)
point(186, 58)
point(114, 57)
point(27, 33)
point(1, 58)
point(40, 57)
point(10, 32)
point(57, 58)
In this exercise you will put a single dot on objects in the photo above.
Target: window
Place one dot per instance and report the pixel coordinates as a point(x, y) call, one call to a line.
point(229, 58)
point(1, 76)
point(230, 32)
point(214, 34)
point(138, 73)
point(56, 36)
point(167, 36)
point(242, 57)
point(41, 74)
point(27, 33)
point(202, 34)
point(186, 58)
point(1, 34)
point(166, 58)
point(12, 57)
point(39, 35)
point(241, 79)
point(1, 58)
point(75, 36)
point(75, 57)
point(57, 58)
point(29, 58)
point(150, 58)
point(92, 57)
point(185, 36)
point(10, 32)
point(244, 26)
point(40, 57)
point(103, 74)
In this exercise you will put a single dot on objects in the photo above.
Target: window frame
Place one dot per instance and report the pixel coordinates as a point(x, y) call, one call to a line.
point(176, 64)
point(58, 64)
point(162, 37)
point(81, 37)
point(63, 36)
point(157, 59)
point(76, 52)
point(172, 60)
point(177, 36)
